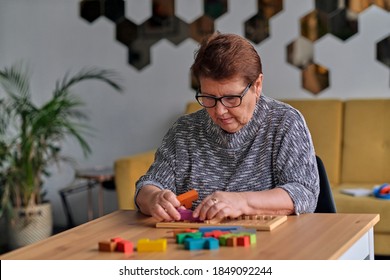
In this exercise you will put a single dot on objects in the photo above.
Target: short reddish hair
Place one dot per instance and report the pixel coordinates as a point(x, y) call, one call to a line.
point(224, 56)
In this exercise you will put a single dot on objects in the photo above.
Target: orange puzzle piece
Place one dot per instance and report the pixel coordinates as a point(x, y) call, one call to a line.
point(116, 244)
point(107, 246)
point(187, 198)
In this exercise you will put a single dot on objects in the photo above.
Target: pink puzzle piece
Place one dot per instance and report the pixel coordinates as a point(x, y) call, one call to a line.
point(186, 215)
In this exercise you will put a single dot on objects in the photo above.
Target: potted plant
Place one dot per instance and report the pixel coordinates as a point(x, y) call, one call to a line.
point(31, 138)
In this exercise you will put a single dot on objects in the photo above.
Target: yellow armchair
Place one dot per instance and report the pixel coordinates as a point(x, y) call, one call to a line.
point(127, 171)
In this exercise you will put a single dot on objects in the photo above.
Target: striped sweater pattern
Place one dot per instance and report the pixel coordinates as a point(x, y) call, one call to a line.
point(274, 149)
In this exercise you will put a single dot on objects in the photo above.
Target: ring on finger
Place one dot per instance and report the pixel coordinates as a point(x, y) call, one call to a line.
point(214, 200)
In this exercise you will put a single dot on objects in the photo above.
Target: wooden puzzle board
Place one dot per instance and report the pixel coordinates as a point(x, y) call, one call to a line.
point(258, 222)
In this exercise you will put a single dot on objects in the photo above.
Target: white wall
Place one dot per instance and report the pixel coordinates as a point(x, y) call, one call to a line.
point(52, 38)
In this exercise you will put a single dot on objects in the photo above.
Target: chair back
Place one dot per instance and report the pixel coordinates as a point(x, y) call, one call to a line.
point(325, 202)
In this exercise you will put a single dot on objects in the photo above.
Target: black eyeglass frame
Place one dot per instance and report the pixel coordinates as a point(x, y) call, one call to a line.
point(220, 99)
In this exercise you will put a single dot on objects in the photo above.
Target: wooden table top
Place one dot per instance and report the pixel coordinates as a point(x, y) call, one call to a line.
point(303, 237)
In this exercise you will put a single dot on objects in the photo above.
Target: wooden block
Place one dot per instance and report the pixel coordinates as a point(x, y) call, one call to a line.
point(215, 233)
point(187, 198)
point(243, 241)
point(186, 215)
point(116, 239)
point(231, 241)
point(252, 238)
point(208, 243)
point(147, 245)
point(222, 228)
point(264, 222)
point(125, 246)
point(187, 230)
point(182, 236)
point(247, 232)
point(107, 246)
point(224, 239)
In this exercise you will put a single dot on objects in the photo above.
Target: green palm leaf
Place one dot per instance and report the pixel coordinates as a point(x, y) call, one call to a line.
point(31, 137)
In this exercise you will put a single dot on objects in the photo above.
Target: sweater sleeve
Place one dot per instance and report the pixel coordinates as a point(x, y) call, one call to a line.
point(162, 172)
point(296, 164)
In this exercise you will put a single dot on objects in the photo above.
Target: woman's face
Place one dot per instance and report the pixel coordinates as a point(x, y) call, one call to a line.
point(232, 119)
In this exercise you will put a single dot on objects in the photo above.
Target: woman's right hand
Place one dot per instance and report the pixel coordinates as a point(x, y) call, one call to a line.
point(160, 204)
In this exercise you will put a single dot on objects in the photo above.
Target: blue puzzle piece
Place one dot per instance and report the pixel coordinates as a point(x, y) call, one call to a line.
point(222, 228)
point(208, 243)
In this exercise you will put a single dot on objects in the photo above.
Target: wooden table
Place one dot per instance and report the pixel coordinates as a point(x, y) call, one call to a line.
point(303, 237)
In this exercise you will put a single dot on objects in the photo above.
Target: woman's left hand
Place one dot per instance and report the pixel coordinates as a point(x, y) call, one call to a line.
point(220, 205)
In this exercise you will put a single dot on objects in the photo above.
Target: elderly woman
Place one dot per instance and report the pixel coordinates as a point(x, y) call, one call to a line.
point(244, 153)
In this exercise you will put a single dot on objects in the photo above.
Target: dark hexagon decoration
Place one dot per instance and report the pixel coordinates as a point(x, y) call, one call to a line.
point(139, 52)
point(201, 27)
point(339, 18)
point(327, 6)
point(114, 10)
point(126, 32)
point(314, 25)
point(90, 10)
point(257, 28)
point(343, 24)
point(383, 51)
point(315, 78)
point(269, 8)
point(215, 8)
point(182, 31)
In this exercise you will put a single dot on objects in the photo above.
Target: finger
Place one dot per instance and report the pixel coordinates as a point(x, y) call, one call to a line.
point(226, 211)
point(218, 216)
point(160, 212)
point(172, 212)
point(209, 209)
point(171, 198)
point(202, 207)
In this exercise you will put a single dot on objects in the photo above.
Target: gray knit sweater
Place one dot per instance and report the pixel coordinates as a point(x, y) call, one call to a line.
point(273, 150)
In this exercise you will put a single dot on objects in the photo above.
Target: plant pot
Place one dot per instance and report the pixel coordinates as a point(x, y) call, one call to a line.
point(30, 225)
point(3, 235)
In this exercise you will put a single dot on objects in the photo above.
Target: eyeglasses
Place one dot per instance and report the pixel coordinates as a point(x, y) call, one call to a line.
point(229, 101)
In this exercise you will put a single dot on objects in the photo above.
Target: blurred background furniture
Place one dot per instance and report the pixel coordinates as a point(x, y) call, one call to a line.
point(86, 180)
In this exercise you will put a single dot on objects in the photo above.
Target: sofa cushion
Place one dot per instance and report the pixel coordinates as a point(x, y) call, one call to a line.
point(366, 141)
point(367, 204)
point(363, 204)
point(192, 107)
point(324, 119)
